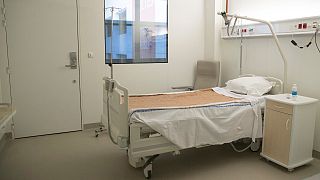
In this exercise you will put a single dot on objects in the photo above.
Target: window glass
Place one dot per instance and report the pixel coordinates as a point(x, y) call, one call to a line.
point(139, 31)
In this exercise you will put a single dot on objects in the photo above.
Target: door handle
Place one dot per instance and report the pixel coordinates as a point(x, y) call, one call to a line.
point(73, 60)
point(71, 66)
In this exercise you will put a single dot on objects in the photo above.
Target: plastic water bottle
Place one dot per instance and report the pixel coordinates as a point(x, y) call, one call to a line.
point(294, 92)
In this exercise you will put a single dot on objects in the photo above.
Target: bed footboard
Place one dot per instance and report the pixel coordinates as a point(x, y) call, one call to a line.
point(115, 102)
point(140, 145)
point(146, 146)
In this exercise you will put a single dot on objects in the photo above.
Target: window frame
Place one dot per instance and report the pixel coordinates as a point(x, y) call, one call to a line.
point(136, 44)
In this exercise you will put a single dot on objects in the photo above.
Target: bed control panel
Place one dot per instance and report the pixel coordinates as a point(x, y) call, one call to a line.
point(109, 84)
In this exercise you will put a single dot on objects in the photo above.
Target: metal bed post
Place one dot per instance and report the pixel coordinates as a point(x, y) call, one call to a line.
point(112, 10)
point(111, 42)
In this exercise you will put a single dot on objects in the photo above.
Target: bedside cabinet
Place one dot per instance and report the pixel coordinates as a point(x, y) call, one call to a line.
point(289, 130)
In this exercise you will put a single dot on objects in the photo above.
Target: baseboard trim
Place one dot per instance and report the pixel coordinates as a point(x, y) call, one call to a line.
point(91, 126)
point(4, 140)
point(316, 154)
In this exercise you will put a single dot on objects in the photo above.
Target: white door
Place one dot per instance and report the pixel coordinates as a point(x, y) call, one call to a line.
point(46, 94)
point(4, 76)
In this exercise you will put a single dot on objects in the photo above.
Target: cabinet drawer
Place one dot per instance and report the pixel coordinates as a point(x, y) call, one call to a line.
point(280, 107)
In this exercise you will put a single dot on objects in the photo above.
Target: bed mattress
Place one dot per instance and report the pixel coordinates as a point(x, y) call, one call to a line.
point(197, 118)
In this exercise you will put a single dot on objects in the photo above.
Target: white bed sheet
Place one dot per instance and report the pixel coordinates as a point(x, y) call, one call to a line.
point(226, 92)
point(212, 124)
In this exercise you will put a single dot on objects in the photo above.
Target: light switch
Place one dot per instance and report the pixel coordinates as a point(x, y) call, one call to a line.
point(90, 54)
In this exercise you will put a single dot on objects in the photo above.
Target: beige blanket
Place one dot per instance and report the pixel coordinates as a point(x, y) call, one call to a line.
point(189, 98)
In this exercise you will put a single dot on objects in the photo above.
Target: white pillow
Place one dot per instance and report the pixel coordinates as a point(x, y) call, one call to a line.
point(254, 86)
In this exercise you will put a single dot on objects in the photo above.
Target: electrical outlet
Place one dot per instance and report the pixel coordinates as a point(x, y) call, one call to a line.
point(304, 25)
point(315, 25)
point(90, 55)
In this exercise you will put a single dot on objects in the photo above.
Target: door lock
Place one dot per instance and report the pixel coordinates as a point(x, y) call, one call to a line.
point(73, 60)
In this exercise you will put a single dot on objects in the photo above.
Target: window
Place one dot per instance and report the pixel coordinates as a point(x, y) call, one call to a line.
point(140, 31)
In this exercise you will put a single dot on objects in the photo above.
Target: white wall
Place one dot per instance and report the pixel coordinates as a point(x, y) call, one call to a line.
point(2, 55)
point(213, 25)
point(210, 26)
point(261, 57)
point(274, 9)
point(4, 78)
point(91, 33)
point(186, 46)
point(0, 92)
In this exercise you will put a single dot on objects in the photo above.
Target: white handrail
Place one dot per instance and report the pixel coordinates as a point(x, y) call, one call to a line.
point(284, 59)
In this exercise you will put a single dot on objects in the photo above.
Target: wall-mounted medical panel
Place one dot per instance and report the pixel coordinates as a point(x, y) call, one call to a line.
point(284, 27)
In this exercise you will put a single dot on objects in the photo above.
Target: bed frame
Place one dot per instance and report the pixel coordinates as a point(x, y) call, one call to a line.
point(143, 144)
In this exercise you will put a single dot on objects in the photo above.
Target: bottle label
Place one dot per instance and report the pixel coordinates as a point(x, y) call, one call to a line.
point(294, 93)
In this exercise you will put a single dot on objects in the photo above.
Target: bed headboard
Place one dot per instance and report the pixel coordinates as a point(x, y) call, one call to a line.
point(277, 84)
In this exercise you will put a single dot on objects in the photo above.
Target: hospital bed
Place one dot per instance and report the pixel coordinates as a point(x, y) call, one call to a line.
point(124, 115)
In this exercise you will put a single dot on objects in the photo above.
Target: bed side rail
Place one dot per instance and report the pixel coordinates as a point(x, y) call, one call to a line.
point(118, 111)
point(277, 87)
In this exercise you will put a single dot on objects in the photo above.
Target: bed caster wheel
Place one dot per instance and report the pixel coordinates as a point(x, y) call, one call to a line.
point(97, 133)
point(147, 171)
point(100, 130)
point(176, 153)
point(147, 168)
point(148, 175)
point(255, 146)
